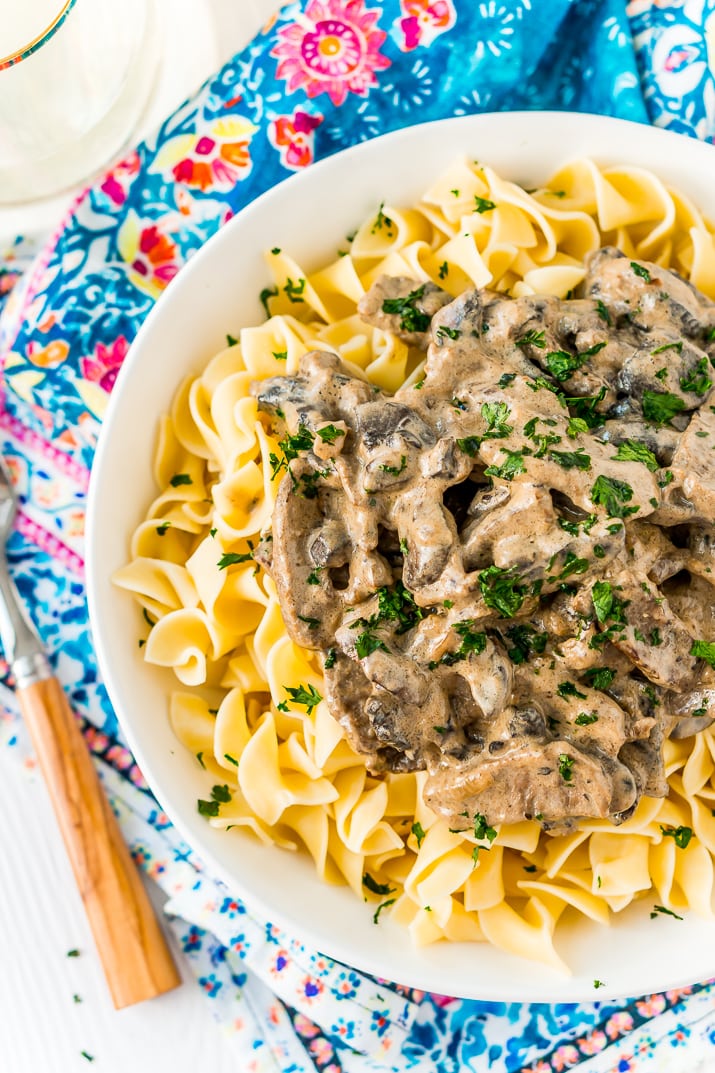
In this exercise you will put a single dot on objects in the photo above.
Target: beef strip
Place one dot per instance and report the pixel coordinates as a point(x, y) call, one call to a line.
point(509, 563)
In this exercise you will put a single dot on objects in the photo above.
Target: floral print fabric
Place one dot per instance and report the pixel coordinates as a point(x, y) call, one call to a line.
point(323, 75)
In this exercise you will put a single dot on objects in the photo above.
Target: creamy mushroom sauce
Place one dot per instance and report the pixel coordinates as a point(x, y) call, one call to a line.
point(508, 563)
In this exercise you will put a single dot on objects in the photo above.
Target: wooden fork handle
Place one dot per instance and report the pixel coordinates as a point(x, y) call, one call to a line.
point(131, 945)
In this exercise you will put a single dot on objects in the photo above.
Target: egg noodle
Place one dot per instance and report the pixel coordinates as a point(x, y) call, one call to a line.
point(251, 706)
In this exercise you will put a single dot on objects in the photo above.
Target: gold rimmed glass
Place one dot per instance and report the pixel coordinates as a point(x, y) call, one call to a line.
point(75, 79)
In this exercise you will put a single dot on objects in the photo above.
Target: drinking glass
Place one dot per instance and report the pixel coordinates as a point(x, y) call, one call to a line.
point(75, 78)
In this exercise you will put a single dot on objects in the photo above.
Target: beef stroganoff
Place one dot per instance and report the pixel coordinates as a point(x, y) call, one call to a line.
point(429, 609)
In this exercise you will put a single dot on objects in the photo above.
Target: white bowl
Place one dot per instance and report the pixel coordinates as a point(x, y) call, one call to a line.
point(216, 293)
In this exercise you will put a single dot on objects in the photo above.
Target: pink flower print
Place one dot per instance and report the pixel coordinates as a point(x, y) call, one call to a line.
point(293, 137)
point(593, 1043)
point(565, 1056)
point(117, 182)
point(332, 48)
point(210, 984)
point(305, 1026)
point(650, 1006)
point(677, 993)
point(618, 1024)
point(217, 159)
point(311, 988)
point(424, 20)
point(321, 1050)
point(102, 367)
point(151, 256)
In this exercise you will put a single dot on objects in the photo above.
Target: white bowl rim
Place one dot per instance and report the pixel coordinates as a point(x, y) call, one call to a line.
point(466, 970)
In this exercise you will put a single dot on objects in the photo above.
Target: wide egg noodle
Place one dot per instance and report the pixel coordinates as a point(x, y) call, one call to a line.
point(213, 616)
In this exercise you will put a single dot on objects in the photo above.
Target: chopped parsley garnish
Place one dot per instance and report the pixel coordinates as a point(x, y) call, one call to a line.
point(220, 795)
point(562, 365)
point(314, 576)
point(697, 379)
point(566, 764)
point(376, 888)
point(482, 828)
point(329, 433)
point(660, 407)
point(633, 451)
point(443, 270)
point(502, 589)
point(308, 696)
point(411, 318)
point(505, 379)
point(311, 623)
point(381, 906)
point(603, 312)
point(397, 604)
point(473, 641)
point(533, 338)
point(443, 332)
point(613, 494)
point(584, 719)
point(576, 426)
point(231, 759)
point(366, 643)
point(419, 832)
point(680, 835)
point(572, 565)
point(661, 909)
point(513, 466)
point(602, 596)
point(569, 689)
point(293, 291)
point(525, 640)
point(496, 415)
point(483, 204)
point(291, 447)
point(395, 471)
point(381, 220)
point(662, 374)
point(330, 659)
point(571, 459)
point(470, 445)
point(233, 557)
point(74, 953)
point(584, 406)
point(599, 551)
point(179, 479)
point(161, 529)
point(704, 650)
point(280, 355)
point(266, 293)
point(669, 346)
point(641, 271)
point(655, 637)
point(598, 983)
point(231, 340)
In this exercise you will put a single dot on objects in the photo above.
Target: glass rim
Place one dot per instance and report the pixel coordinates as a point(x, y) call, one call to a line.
point(39, 40)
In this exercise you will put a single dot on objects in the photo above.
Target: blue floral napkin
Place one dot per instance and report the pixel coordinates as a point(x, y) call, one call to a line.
point(65, 329)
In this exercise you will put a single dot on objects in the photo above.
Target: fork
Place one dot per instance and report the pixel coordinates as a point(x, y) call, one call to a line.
point(131, 946)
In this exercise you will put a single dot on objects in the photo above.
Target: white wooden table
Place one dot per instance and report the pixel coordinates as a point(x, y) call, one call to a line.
point(43, 1029)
